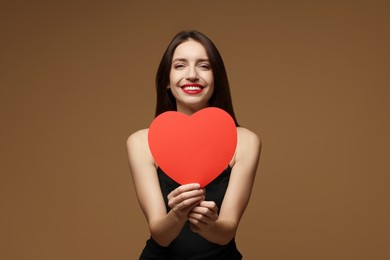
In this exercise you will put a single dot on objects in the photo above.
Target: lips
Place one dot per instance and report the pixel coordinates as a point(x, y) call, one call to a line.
point(192, 89)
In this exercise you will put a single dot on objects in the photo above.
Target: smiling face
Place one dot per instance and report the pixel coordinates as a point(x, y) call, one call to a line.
point(191, 77)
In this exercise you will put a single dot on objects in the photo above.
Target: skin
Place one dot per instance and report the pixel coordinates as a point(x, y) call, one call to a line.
point(190, 65)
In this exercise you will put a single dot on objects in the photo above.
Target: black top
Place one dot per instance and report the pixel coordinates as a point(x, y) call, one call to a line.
point(189, 245)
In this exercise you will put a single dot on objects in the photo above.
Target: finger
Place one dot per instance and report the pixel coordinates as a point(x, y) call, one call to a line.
point(194, 228)
point(196, 217)
point(204, 214)
point(202, 210)
point(210, 205)
point(172, 201)
point(187, 195)
point(198, 224)
point(186, 204)
point(183, 188)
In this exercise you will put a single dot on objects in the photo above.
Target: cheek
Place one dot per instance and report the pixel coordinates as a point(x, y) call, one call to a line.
point(174, 77)
point(211, 80)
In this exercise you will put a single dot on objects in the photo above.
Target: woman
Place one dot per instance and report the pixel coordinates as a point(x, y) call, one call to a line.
point(185, 221)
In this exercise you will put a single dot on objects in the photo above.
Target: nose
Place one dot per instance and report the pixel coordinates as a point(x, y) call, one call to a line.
point(192, 73)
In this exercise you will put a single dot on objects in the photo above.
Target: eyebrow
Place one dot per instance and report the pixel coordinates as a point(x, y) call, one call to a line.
point(183, 59)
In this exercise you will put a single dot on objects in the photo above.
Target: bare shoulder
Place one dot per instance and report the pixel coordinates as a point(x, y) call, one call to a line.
point(138, 147)
point(138, 138)
point(247, 137)
point(248, 146)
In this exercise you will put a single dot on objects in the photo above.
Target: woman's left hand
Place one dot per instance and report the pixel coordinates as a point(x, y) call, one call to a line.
point(203, 216)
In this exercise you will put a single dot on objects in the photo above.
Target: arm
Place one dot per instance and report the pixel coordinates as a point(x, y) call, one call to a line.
point(204, 218)
point(164, 227)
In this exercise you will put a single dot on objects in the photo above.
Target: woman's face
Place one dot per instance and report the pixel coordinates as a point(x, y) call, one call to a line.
point(191, 77)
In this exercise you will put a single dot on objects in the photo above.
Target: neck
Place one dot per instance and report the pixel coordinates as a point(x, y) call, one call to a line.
point(189, 110)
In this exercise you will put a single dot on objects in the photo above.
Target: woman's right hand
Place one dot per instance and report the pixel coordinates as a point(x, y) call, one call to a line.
point(184, 198)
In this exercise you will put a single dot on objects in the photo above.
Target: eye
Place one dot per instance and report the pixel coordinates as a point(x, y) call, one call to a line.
point(178, 65)
point(205, 66)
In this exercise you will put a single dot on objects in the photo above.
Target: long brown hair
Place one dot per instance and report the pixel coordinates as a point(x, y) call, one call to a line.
point(221, 97)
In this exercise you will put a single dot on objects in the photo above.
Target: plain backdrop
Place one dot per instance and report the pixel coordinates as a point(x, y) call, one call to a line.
point(310, 77)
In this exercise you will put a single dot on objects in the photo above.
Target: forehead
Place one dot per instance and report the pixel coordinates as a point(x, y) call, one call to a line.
point(190, 50)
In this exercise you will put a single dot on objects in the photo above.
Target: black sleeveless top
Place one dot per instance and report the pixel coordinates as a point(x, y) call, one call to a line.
point(189, 245)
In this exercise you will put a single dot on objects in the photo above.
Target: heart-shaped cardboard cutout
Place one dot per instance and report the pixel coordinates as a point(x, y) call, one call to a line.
point(193, 149)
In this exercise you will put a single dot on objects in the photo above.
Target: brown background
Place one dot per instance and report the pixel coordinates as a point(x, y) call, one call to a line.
point(310, 77)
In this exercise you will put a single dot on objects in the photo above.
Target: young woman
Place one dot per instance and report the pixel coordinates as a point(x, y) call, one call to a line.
point(185, 221)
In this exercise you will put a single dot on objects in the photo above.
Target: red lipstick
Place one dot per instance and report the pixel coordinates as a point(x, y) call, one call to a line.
point(192, 88)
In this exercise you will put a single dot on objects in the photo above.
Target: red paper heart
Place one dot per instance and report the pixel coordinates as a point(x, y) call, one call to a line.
point(193, 149)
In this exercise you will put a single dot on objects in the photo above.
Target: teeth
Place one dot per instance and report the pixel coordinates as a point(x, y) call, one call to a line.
point(192, 88)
